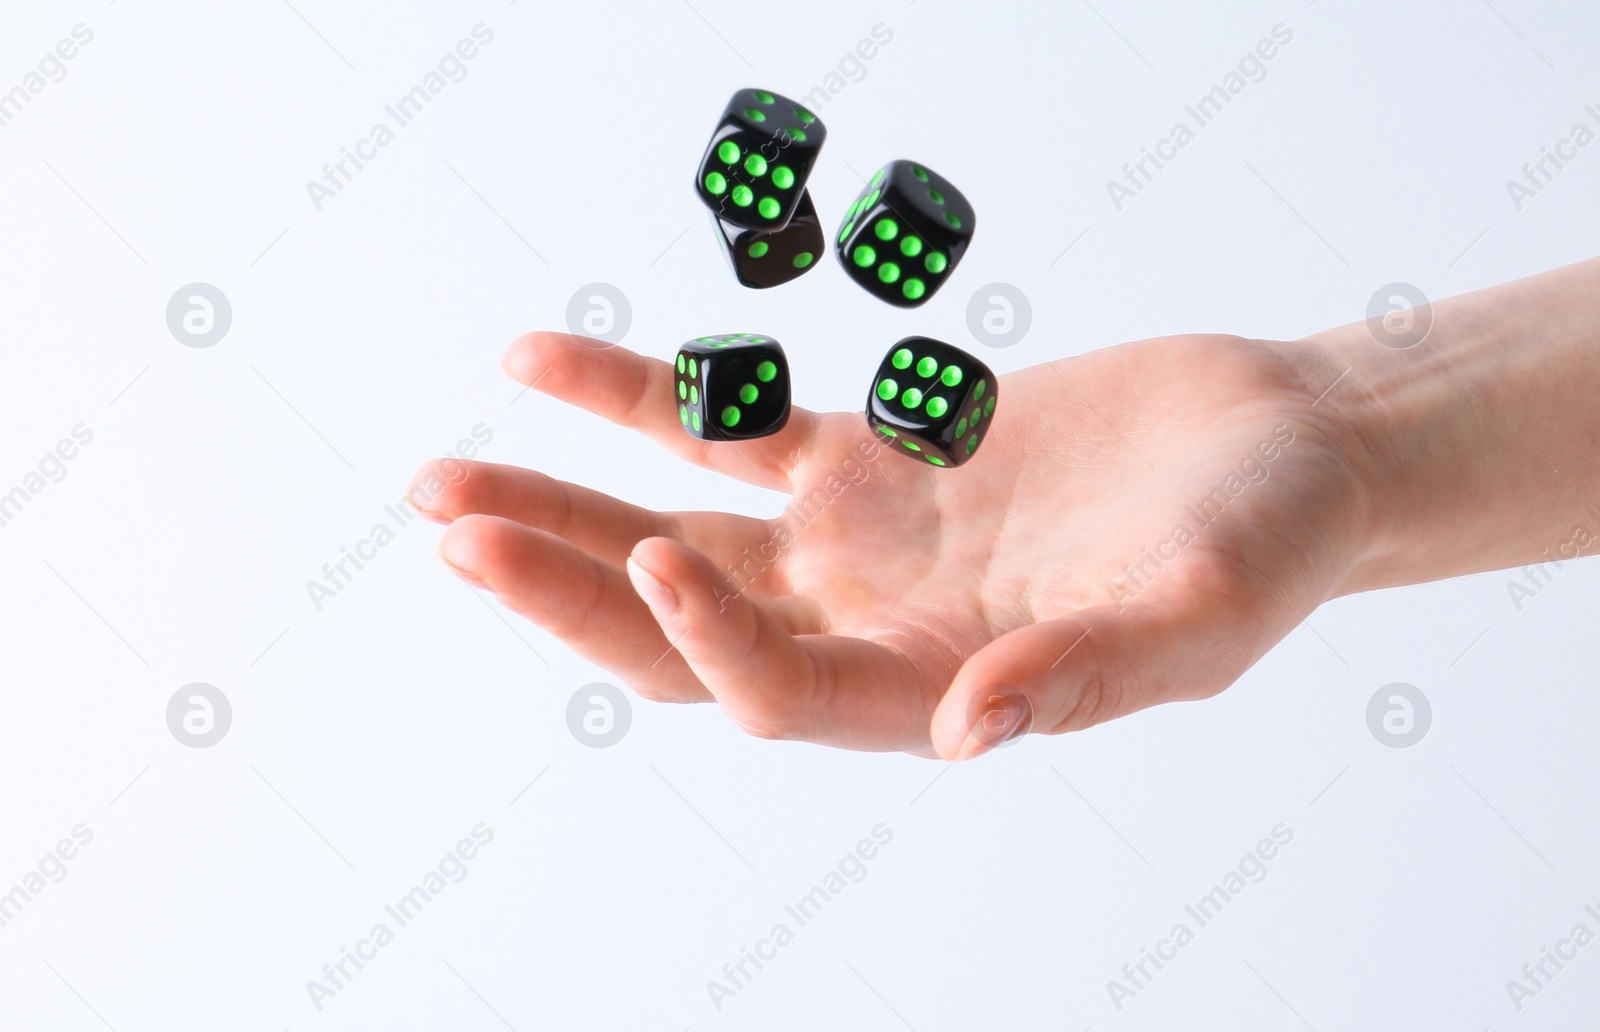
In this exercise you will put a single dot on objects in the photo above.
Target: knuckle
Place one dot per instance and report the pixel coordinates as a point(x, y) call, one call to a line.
point(641, 398)
point(580, 620)
point(1096, 687)
point(1235, 596)
point(1094, 700)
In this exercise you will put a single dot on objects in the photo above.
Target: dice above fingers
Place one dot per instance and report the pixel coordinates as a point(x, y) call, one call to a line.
point(732, 387)
point(932, 401)
point(904, 234)
point(755, 168)
point(767, 259)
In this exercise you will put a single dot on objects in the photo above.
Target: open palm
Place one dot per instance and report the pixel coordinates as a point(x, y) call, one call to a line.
point(1140, 525)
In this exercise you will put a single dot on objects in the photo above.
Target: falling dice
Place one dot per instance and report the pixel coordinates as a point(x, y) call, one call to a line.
point(768, 259)
point(932, 400)
point(903, 236)
point(755, 168)
point(732, 387)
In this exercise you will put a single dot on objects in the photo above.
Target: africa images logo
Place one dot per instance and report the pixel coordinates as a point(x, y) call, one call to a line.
point(451, 68)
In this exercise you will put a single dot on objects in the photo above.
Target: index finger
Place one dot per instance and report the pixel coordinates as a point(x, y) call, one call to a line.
point(636, 392)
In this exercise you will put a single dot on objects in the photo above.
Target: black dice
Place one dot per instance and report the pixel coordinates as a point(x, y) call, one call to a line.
point(905, 233)
point(755, 168)
point(768, 259)
point(932, 400)
point(732, 387)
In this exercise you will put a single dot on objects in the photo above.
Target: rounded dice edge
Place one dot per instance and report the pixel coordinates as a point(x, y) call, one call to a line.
point(711, 346)
point(803, 236)
point(947, 445)
point(735, 121)
point(903, 171)
point(891, 191)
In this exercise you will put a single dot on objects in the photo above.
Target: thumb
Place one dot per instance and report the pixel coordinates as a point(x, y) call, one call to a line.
point(1075, 672)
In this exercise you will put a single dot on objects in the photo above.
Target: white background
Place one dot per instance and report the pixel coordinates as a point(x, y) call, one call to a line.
point(371, 735)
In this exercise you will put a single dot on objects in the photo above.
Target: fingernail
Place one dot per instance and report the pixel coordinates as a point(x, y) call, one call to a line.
point(430, 483)
point(431, 515)
point(656, 594)
point(1004, 718)
point(522, 365)
point(468, 576)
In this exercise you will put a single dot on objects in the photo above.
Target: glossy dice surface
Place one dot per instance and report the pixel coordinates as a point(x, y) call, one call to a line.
point(731, 387)
point(768, 259)
point(931, 401)
point(754, 170)
point(905, 233)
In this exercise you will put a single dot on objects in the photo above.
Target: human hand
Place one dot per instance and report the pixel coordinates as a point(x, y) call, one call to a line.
point(1141, 524)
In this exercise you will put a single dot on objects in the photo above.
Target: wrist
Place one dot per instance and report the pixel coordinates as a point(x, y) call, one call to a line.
point(1384, 406)
point(1470, 425)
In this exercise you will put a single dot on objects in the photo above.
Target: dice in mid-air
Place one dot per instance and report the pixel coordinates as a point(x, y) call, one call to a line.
point(905, 233)
point(732, 387)
point(755, 168)
point(932, 401)
point(768, 259)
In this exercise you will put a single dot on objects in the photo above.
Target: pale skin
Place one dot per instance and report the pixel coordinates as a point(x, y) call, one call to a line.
point(1041, 587)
